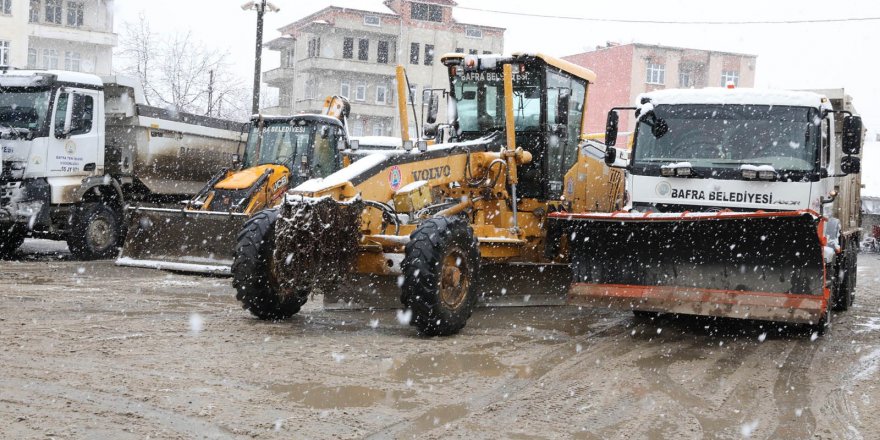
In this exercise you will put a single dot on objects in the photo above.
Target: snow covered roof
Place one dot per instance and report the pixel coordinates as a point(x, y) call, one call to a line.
point(871, 163)
point(719, 95)
point(60, 75)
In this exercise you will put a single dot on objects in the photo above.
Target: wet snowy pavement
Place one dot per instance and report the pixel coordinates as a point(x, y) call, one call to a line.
point(91, 350)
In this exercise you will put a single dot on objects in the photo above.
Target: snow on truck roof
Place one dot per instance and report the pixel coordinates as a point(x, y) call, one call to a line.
point(740, 96)
point(59, 75)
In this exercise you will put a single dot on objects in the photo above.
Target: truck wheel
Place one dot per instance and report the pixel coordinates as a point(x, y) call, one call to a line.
point(94, 231)
point(823, 324)
point(845, 286)
point(12, 237)
point(441, 267)
point(252, 274)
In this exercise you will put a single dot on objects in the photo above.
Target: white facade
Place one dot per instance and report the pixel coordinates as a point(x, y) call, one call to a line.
point(353, 53)
point(57, 34)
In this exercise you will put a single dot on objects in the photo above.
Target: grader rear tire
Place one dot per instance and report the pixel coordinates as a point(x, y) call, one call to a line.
point(441, 268)
point(252, 277)
point(11, 238)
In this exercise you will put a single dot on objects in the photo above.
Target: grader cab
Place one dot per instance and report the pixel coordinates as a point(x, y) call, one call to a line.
point(442, 226)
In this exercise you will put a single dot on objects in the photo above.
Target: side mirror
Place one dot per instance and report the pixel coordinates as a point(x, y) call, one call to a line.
point(611, 128)
point(852, 135)
point(562, 104)
point(236, 160)
point(433, 109)
point(610, 155)
point(851, 165)
point(660, 128)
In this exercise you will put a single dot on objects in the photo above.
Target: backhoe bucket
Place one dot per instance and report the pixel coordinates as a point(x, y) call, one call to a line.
point(182, 240)
point(752, 265)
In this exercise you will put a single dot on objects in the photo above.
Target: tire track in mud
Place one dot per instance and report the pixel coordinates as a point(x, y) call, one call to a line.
point(190, 427)
point(423, 423)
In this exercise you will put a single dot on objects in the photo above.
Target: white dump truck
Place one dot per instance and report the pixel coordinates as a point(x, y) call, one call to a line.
point(77, 147)
point(739, 203)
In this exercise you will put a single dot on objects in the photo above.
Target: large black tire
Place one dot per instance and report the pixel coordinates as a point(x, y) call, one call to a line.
point(441, 271)
point(824, 323)
point(846, 286)
point(252, 275)
point(11, 237)
point(95, 230)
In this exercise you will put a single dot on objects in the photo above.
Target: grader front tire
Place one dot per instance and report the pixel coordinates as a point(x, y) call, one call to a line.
point(440, 274)
point(252, 276)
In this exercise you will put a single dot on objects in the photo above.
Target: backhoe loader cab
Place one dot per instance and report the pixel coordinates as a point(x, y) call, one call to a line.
point(438, 227)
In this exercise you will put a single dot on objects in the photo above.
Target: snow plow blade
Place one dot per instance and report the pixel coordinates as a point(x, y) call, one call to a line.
point(181, 240)
point(751, 265)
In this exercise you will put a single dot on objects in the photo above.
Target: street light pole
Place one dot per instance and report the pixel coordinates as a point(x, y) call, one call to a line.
point(260, 6)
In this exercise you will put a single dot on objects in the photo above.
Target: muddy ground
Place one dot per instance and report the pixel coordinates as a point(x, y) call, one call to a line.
point(90, 350)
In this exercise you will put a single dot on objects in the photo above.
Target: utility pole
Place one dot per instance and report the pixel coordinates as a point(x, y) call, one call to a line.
point(260, 6)
point(210, 92)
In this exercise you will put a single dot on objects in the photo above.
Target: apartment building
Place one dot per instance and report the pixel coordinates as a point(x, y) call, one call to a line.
point(353, 52)
point(57, 34)
point(626, 70)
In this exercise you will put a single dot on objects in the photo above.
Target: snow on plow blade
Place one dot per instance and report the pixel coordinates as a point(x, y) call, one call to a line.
point(753, 265)
point(178, 239)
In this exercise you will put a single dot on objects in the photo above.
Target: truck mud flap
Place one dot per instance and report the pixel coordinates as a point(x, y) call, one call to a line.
point(181, 240)
point(756, 265)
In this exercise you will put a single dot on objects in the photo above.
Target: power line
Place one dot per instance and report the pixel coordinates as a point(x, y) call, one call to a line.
point(628, 21)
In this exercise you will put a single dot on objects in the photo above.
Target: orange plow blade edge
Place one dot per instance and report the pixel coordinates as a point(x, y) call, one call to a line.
point(750, 265)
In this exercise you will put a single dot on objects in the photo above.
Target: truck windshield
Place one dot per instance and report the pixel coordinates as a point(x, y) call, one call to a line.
point(479, 98)
point(727, 136)
point(287, 142)
point(23, 108)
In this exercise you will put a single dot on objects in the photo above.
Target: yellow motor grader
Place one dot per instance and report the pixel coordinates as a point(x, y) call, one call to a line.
point(281, 152)
point(441, 226)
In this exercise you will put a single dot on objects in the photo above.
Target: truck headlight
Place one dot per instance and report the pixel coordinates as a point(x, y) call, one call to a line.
point(683, 171)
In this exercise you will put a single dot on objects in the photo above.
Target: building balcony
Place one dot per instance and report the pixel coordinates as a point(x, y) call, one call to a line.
point(369, 67)
point(278, 77)
point(82, 34)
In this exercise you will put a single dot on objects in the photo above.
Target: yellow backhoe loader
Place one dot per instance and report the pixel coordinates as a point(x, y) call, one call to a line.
point(281, 152)
point(441, 226)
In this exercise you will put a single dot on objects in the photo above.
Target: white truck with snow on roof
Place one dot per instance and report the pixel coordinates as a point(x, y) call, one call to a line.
point(740, 203)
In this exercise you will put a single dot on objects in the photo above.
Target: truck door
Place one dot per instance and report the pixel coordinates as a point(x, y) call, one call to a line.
point(76, 138)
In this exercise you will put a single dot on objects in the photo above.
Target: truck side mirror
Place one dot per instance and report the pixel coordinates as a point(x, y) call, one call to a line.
point(433, 109)
point(610, 155)
point(611, 128)
point(562, 104)
point(850, 165)
point(852, 135)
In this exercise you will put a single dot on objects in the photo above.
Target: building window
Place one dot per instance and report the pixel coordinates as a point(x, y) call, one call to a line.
point(429, 54)
point(426, 12)
point(360, 93)
point(358, 128)
point(487, 52)
point(473, 33)
point(473, 52)
point(372, 20)
point(75, 13)
point(6, 7)
point(314, 47)
point(382, 52)
point(50, 59)
point(53, 11)
point(4, 53)
point(291, 57)
point(348, 48)
point(413, 89)
point(72, 61)
point(656, 74)
point(34, 13)
point(345, 90)
point(311, 89)
point(32, 58)
point(459, 50)
point(729, 76)
point(684, 78)
point(378, 129)
point(363, 49)
point(381, 94)
point(414, 53)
